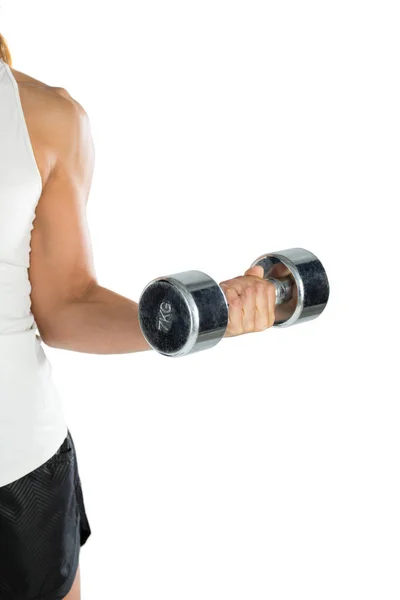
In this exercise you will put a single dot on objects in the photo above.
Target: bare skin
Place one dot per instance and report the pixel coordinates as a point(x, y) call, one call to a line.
point(75, 591)
point(71, 309)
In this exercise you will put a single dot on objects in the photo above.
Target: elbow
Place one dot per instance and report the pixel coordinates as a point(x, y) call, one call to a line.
point(49, 338)
point(49, 333)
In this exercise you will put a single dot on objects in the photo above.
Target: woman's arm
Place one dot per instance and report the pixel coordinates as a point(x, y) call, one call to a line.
point(72, 311)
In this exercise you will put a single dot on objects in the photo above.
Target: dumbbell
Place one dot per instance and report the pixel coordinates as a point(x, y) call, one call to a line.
point(187, 312)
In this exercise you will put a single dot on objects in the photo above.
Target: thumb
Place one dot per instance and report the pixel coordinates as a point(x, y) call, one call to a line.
point(257, 271)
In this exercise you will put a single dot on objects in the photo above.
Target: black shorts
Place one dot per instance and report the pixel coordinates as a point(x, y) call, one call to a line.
point(43, 524)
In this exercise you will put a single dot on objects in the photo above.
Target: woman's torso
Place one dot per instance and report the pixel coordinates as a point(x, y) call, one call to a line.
point(32, 424)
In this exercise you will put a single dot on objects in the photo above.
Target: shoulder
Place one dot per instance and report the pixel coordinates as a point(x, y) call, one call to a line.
point(48, 102)
point(57, 122)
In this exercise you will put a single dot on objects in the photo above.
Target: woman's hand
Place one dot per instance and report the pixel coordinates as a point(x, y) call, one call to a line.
point(251, 302)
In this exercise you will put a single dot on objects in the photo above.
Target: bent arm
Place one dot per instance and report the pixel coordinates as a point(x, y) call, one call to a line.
point(72, 311)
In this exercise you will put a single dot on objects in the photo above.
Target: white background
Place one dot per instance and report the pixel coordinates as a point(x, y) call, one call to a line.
point(267, 467)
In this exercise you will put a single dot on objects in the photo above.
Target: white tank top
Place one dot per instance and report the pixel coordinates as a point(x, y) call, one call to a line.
point(32, 424)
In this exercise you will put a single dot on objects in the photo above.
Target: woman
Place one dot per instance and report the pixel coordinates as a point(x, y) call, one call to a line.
point(48, 283)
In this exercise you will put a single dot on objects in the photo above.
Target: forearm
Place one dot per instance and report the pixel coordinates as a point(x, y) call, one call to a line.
point(101, 322)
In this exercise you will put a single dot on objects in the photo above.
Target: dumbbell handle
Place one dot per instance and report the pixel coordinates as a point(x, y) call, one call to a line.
point(284, 289)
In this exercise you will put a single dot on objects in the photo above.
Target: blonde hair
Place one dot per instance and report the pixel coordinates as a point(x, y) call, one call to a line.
point(5, 51)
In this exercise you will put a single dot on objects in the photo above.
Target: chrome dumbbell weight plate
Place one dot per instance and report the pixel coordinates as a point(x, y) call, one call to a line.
point(301, 282)
point(183, 313)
